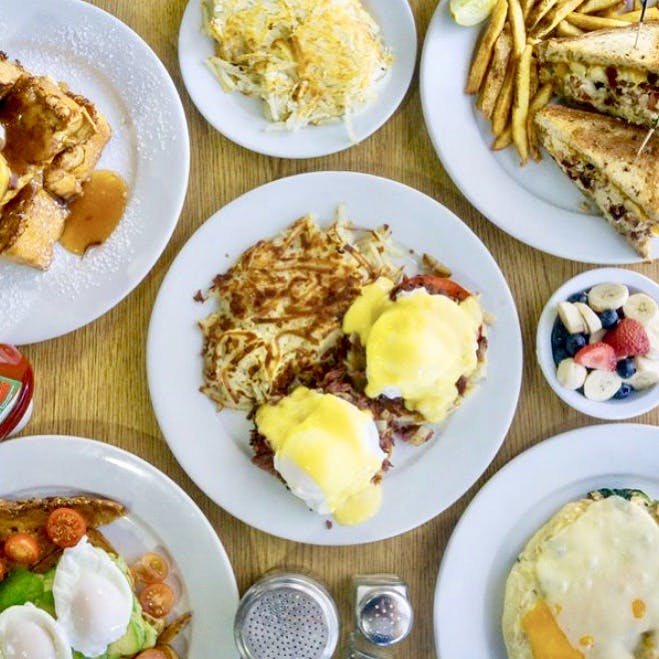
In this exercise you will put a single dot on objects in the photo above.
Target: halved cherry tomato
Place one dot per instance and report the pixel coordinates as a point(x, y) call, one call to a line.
point(155, 653)
point(157, 599)
point(434, 285)
point(65, 527)
point(22, 548)
point(151, 568)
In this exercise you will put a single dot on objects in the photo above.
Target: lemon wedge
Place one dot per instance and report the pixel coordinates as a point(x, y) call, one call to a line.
point(470, 12)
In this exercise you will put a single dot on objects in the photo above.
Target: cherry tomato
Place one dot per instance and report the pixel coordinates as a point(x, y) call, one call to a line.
point(3, 570)
point(157, 599)
point(151, 568)
point(155, 653)
point(65, 527)
point(22, 548)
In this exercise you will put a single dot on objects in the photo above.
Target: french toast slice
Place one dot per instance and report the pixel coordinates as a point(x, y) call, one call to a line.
point(40, 121)
point(10, 72)
point(30, 225)
point(73, 166)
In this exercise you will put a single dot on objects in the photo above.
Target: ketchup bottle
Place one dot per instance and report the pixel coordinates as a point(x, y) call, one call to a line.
point(16, 386)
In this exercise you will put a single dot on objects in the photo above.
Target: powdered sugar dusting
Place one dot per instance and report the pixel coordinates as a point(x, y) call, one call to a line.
point(99, 58)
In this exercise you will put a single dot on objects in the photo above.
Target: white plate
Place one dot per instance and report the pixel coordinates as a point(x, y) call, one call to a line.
point(536, 204)
point(214, 448)
point(99, 57)
point(240, 118)
point(160, 517)
point(514, 503)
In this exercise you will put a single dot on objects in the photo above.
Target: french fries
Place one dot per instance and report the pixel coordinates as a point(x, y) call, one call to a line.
point(504, 72)
point(521, 103)
point(481, 61)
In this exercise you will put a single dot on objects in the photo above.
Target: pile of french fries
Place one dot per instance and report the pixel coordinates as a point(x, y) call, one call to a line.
point(504, 70)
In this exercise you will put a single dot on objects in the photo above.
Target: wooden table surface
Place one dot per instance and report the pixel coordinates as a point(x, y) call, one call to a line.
point(92, 382)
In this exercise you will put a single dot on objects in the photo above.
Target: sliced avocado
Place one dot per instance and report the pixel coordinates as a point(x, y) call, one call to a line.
point(20, 586)
point(129, 644)
point(140, 635)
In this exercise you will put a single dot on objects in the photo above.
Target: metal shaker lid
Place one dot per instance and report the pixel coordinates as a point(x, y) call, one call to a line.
point(286, 616)
point(384, 616)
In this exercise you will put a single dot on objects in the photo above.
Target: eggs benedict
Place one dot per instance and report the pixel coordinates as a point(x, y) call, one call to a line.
point(422, 341)
point(327, 451)
point(587, 583)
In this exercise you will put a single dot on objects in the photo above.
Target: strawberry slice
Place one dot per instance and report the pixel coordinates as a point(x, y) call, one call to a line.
point(628, 338)
point(597, 355)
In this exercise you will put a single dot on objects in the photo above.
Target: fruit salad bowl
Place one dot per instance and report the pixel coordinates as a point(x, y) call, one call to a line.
point(597, 343)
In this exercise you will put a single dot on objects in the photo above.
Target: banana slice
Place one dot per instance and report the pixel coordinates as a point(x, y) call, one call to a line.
point(590, 318)
point(652, 330)
point(647, 373)
point(607, 296)
point(640, 307)
point(5, 176)
point(571, 318)
point(601, 385)
point(570, 374)
point(595, 337)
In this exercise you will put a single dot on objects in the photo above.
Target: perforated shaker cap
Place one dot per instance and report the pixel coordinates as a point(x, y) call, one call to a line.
point(286, 616)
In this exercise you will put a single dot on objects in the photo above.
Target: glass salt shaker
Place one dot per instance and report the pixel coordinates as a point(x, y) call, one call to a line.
point(383, 612)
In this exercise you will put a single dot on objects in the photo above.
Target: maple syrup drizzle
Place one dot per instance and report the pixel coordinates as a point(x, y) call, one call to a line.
point(94, 215)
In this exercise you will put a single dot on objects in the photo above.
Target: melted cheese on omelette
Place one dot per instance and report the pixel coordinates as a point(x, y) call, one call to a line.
point(596, 586)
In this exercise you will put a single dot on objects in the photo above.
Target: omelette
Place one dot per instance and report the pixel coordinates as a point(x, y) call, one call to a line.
point(587, 583)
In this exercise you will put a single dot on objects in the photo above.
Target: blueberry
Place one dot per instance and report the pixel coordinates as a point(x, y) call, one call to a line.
point(582, 296)
point(559, 334)
point(623, 392)
point(609, 318)
point(559, 354)
point(626, 368)
point(574, 343)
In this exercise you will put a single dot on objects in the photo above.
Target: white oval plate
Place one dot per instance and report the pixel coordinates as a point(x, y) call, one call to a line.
point(214, 448)
point(160, 517)
point(506, 512)
point(240, 118)
point(638, 402)
point(536, 204)
point(98, 56)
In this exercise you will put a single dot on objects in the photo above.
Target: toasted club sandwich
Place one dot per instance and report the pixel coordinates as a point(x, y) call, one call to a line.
point(607, 70)
point(601, 156)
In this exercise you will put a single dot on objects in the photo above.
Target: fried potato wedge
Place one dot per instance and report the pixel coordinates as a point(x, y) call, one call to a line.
point(590, 22)
point(501, 113)
point(566, 29)
point(481, 59)
point(549, 23)
point(593, 6)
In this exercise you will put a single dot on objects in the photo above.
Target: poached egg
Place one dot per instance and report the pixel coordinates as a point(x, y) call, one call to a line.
point(93, 598)
point(27, 632)
point(417, 346)
point(327, 450)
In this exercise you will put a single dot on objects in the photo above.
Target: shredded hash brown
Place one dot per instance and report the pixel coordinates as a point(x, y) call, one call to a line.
point(279, 308)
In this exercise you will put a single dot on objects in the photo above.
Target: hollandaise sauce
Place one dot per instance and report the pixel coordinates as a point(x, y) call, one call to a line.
point(327, 450)
point(418, 346)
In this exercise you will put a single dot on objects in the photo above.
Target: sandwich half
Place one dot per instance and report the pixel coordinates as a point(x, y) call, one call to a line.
point(607, 70)
point(601, 156)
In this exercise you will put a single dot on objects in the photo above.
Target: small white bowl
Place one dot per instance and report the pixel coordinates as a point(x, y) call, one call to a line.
point(638, 402)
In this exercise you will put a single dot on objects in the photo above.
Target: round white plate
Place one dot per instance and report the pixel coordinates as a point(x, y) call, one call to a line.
point(240, 118)
point(513, 504)
point(214, 448)
point(160, 517)
point(101, 58)
point(536, 204)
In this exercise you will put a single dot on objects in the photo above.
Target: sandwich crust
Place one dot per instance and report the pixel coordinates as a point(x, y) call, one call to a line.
point(610, 47)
